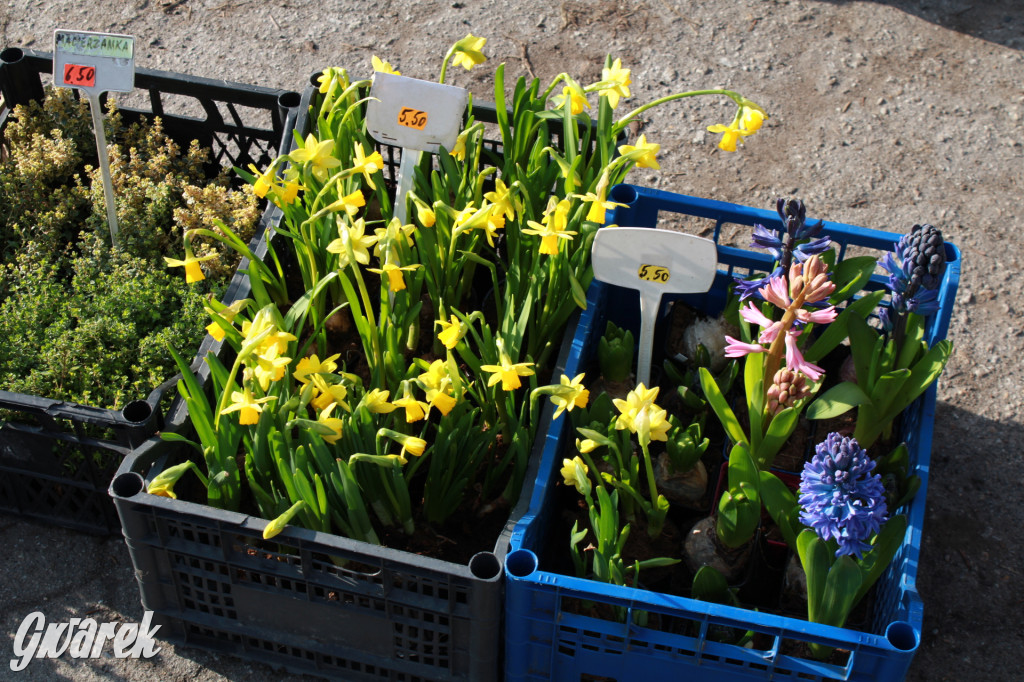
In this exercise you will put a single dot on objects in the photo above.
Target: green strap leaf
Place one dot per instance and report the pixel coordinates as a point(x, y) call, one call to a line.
point(836, 332)
point(721, 407)
point(782, 506)
point(841, 588)
point(837, 400)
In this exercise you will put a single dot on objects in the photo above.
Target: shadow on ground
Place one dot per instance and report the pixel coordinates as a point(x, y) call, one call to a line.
point(997, 21)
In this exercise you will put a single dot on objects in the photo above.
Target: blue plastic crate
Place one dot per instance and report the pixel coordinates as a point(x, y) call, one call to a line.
point(547, 638)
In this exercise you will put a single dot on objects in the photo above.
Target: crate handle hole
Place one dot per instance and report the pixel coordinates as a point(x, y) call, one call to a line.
point(902, 635)
point(485, 565)
point(289, 100)
point(128, 485)
point(624, 194)
point(137, 411)
point(521, 563)
point(12, 55)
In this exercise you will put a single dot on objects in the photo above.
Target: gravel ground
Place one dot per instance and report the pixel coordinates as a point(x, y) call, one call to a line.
point(883, 114)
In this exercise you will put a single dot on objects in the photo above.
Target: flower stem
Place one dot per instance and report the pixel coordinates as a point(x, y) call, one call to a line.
point(625, 120)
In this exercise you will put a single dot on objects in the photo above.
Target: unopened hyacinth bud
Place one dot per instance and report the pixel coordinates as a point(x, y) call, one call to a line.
point(924, 257)
point(841, 500)
point(787, 388)
point(915, 267)
point(812, 277)
point(794, 217)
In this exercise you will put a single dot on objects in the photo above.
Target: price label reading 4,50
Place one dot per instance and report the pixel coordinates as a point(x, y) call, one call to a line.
point(79, 75)
point(412, 118)
point(653, 273)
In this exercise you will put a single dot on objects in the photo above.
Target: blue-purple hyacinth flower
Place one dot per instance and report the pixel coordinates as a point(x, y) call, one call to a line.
point(915, 266)
point(841, 500)
point(781, 243)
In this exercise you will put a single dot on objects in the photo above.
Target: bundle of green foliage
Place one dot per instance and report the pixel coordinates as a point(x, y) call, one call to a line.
point(84, 320)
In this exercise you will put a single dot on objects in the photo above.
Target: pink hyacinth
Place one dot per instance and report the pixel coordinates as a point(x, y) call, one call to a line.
point(738, 349)
point(795, 359)
point(753, 315)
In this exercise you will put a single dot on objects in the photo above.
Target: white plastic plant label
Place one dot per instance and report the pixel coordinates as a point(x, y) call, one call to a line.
point(96, 62)
point(415, 114)
point(654, 263)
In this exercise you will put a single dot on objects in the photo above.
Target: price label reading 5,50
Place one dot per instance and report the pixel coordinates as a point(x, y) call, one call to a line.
point(653, 273)
point(79, 75)
point(412, 118)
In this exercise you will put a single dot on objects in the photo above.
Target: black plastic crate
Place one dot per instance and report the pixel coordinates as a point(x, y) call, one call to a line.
point(58, 458)
point(308, 602)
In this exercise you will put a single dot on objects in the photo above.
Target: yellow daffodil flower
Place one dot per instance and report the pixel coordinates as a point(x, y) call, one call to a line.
point(459, 150)
point(333, 423)
point(556, 217)
point(435, 383)
point(752, 119)
point(319, 155)
point(376, 401)
point(276, 338)
point(269, 366)
point(287, 193)
point(277, 525)
point(396, 280)
point(616, 82)
point(229, 314)
point(503, 200)
point(642, 154)
point(730, 135)
point(642, 416)
point(264, 180)
point(495, 221)
point(352, 242)
point(451, 332)
point(415, 410)
point(367, 165)
point(249, 406)
point(425, 215)
point(573, 394)
point(586, 445)
point(350, 203)
point(468, 52)
point(507, 372)
point(599, 204)
point(576, 98)
point(325, 393)
point(330, 74)
point(163, 484)
point(193, 273)
point(385, 67)
point(414, 445)
point(313, 365)
point(392, 236)
point(574, 472)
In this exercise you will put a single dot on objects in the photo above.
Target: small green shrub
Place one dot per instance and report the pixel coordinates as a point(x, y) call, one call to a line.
point(83, 320)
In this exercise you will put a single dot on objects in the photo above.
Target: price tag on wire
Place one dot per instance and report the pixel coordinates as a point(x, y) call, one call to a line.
point(416, 115)
point(95, 63)
point(104, 62)
point(654, 263)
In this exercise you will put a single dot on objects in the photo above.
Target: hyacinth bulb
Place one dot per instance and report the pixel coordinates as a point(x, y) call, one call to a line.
point(840, 498)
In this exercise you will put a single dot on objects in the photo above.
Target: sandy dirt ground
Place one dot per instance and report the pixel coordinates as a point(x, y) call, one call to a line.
point(883, 114)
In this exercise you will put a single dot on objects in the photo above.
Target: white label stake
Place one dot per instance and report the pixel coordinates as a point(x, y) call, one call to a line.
point(653, 262)
point(416, 115)
point(96, 63)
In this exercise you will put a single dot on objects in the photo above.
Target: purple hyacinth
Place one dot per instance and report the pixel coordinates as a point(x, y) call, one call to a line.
point(782, 244)
point(916, 266)
point(840, 499)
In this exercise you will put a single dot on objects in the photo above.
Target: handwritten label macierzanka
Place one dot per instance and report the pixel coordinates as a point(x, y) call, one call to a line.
point(91, 45)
